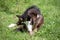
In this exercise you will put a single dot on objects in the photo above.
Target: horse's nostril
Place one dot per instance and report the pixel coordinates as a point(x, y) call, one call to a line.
point(21, 19)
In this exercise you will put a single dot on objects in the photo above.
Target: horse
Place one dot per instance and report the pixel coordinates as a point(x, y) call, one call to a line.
point(32, 19)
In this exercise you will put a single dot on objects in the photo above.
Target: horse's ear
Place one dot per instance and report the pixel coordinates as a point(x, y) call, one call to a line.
point(18, 16)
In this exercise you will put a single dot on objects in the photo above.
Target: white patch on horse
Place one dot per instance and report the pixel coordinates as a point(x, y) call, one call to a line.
point(29, 26)
point(38, 16)
point(12, 25)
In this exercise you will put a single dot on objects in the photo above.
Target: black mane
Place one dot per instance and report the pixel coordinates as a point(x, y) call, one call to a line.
point(25, 14)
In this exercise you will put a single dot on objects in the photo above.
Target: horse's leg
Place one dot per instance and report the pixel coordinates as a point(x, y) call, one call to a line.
point(38, 23)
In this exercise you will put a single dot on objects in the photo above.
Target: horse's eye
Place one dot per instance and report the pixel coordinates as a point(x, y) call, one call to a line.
point(21, 19)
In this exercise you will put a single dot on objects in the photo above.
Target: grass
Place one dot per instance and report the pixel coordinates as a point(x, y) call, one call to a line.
point(50, 9)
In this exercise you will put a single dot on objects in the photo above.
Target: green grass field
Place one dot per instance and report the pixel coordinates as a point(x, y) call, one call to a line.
point(50, 9)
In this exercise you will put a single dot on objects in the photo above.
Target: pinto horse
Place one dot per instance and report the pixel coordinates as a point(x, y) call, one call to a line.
point(34, 17)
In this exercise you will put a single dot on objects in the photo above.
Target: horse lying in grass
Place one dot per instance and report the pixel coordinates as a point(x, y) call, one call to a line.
point(32, 18)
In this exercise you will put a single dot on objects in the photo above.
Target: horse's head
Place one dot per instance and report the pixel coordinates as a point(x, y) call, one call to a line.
point(20, 20)
point(19, 17)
